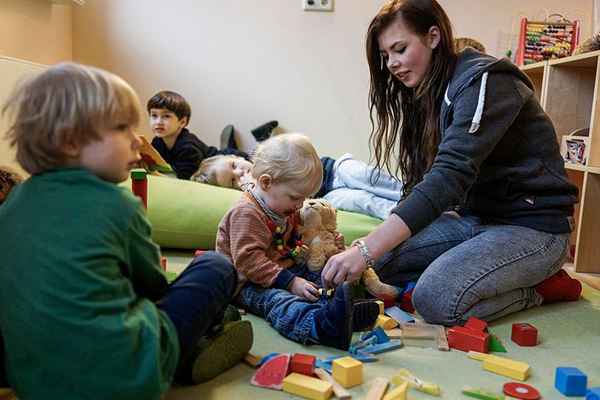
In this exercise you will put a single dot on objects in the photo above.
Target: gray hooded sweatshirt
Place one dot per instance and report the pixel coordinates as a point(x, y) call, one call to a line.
point(498, 156)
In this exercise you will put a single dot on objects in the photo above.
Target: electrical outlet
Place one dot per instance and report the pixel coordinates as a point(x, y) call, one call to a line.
point(317, 5)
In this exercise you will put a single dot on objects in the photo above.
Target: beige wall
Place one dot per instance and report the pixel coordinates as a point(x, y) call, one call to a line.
point(11, 71)
point(245, 62)
point(36, 30)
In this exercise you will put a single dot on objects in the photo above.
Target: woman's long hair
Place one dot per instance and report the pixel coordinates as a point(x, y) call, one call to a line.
point(408, 118)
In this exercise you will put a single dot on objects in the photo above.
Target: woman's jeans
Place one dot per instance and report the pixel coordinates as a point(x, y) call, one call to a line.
point(470, 269)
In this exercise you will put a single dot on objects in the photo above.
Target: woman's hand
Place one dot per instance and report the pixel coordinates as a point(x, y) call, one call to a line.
point(348, 265)
point(303, 288)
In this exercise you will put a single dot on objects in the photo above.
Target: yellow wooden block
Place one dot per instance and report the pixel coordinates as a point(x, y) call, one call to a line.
point(307, 387)
point(381, 306)
point(386, 322)
point(506, 367)
point(399, 392)
point(347, 371)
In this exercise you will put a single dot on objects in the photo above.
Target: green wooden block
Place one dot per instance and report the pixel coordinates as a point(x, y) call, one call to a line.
point(496, 345)
point(482, 394)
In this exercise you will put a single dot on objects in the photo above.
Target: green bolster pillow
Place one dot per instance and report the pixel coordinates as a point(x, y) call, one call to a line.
point(185, 214)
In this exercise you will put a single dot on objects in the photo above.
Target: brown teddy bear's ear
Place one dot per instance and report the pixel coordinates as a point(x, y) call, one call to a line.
point(329, 217)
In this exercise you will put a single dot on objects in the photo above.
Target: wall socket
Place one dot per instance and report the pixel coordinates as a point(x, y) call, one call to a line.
point(317, 5)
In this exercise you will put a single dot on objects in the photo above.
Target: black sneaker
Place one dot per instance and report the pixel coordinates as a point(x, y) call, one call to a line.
point(217, 354)
point(227, 139)
point(364, 314)
point(264, 131)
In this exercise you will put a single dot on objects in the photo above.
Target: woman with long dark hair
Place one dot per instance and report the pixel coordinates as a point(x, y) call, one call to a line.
point(486, 209)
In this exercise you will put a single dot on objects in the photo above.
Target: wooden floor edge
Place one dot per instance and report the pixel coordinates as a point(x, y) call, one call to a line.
point(592, 280)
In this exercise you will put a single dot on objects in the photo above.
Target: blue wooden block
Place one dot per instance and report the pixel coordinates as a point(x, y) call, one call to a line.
point(593, 394)
point(378, 333)
point(364, 357)
point(323, 364)
point(382, 347)
point(399, 314)
point(570, 381)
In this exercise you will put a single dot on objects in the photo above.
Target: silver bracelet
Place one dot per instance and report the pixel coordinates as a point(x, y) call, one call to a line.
point(364, 252)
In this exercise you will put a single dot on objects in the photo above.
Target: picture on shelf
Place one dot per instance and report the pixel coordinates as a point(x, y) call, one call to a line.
point(575, 146)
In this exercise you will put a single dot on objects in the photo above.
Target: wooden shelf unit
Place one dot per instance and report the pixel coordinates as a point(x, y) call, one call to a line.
point(569, 91)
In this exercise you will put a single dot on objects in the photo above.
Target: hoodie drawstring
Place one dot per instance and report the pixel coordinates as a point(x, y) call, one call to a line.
point(476, 122)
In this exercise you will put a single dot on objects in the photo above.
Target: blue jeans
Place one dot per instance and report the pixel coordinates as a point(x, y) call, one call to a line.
point(290, 315)
point(197, 298)
point(352, 188)
point(469, 268)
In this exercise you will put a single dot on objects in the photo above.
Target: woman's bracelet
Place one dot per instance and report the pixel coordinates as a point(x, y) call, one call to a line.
point(365, 253)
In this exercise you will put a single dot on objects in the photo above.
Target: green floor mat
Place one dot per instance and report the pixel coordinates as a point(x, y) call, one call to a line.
point(569, 335)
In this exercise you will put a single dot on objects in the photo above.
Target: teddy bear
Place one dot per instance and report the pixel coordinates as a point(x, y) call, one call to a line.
point(9, 178)
point(318, 230)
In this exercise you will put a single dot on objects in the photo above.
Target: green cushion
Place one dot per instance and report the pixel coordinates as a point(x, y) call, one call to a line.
point(185, 214)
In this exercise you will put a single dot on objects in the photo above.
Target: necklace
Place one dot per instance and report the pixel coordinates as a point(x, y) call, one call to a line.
point(283, 248)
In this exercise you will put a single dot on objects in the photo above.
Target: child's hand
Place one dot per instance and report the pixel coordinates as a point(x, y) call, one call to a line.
point(339, 241)
point(303, 288)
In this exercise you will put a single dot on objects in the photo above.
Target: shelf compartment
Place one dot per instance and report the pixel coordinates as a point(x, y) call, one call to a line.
point(587, 254)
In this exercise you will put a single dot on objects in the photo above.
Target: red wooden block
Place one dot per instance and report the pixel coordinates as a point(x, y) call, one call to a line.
point(271, 374)
point(524, 334)
point(303, 364)
point(466, 339)
point(476, 324)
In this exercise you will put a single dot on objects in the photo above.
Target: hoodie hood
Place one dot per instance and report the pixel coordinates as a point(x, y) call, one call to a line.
point(471, 66)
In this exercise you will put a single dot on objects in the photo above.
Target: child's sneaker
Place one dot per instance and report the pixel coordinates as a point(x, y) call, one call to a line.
point(335, 321)
point(215, 355)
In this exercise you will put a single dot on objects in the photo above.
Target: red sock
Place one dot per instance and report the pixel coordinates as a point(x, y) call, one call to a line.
point(559, 287)
point(406, 302)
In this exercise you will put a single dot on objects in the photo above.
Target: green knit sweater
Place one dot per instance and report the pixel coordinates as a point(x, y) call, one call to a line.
point(80, 276)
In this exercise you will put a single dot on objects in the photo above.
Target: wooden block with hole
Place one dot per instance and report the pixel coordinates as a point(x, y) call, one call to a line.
point(381, 306)
point(398, 393)
point(385, 322)
point(307, 387)
point(338, 390)
point(347, 371)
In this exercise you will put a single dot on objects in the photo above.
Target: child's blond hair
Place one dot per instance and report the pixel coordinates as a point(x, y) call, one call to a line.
point(66, 105)
point(289, 158)
point(461, 43)
point(207, 173)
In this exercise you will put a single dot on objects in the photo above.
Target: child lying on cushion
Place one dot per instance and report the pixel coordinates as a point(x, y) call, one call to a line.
point(348, 184)
point(85, 309)
point(259, 236)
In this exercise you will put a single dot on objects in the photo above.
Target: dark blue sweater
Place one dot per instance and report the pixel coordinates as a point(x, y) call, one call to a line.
point(498, 157)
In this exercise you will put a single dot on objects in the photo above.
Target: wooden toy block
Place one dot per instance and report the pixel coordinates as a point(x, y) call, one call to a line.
point(593, 394)
point(422, 330)
point(270, 375)
point(386, 322)
point(307, 387)
point(347, 371)
point(383, 347)
point(398, 314)
point(252, 360)
point(481, 394)
point(378, 333)
point(524, 334)
point(381, 306)
point(398, 393)
point(570, 381)
point(476, 324)
point(395, 333)
point(338, 390)
point(496, 345)
point(364, 357)
point(502, 366)
point(303, 364)
point(377, 389)
point(404, 375)
point(461, 338)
